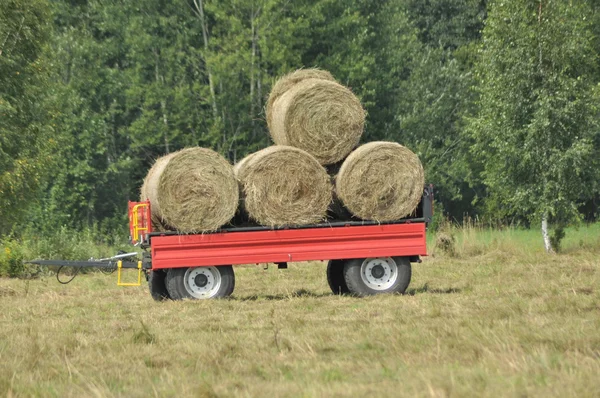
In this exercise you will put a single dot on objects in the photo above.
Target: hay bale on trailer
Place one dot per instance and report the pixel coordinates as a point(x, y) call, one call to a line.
point(193, 190)
point(282, 185)
point(288, 81)
point(149, 191)
point(381, 181)
point(319, 116)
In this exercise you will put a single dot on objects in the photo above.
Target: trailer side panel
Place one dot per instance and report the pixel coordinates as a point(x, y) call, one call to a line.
point(278, 246)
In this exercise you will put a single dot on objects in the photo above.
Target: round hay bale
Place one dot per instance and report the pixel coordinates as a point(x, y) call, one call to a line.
point(321, 117)
point(149, 190)
point(381, 181)
point(288, 81)
point(282, 185)
point(194, 190)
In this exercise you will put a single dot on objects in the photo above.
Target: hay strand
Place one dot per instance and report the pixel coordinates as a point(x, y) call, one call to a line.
point(283, 185)
point(381, 181)
point(319, 116)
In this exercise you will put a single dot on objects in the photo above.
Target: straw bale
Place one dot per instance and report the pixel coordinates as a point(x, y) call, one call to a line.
point(282, 185)
point(193, 190)
point(319, 116)
point(149, 190)
point(288, 81)
point(381, 181)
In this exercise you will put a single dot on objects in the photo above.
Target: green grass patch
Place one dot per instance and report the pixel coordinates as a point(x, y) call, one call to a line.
point(473, 239)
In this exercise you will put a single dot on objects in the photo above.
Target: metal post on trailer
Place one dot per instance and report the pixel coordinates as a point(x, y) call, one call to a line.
point(139, 275)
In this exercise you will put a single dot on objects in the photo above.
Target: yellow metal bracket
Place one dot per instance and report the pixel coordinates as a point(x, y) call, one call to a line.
point(136, 227)
point(139, 276)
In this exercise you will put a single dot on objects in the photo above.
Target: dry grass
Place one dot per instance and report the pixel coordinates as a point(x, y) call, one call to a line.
point(506, 322)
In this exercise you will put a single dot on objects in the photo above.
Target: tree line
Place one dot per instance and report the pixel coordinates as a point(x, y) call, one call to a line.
point(498, 98)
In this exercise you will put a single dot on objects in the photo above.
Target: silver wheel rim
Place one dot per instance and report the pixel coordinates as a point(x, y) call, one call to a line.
point(379, 273)
point(202, 282)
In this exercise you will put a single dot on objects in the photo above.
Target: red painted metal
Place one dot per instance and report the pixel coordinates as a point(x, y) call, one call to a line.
point(225, 248)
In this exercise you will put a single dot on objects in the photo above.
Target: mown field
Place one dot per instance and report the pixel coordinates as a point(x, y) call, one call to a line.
point(498, 317)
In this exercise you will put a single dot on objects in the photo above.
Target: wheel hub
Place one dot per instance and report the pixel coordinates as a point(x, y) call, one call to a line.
point(379, 273)
point(202, 282)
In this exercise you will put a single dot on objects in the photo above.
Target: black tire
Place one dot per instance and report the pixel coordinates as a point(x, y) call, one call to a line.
point(335, 277)
point(195, 282)
point(157, 286)
point(369, 276)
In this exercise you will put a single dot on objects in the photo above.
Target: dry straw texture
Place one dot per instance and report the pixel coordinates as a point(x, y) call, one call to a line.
point(240, 167)
point(150, 189)
point(288, 81)
point(381, 181)
point(319, 116)
point(193, 190)
point(283, 185)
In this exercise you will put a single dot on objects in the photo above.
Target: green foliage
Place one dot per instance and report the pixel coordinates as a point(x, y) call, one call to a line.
point(536, 133)
point(27, 138)
point(11, 259)
point(91, 92)
point(62, 243)
point(557, 236)
point(436, 95)
point(448, 24)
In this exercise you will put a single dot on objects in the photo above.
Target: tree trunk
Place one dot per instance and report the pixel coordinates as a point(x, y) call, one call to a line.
point(252, 56)
point(200, 14)
point(545, 235)
point(163, 107)
point(163, 103)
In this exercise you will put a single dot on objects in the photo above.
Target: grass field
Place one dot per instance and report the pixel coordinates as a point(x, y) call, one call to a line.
point(499, 317)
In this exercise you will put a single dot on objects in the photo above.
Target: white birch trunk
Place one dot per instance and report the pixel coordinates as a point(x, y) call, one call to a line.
point(545, 235)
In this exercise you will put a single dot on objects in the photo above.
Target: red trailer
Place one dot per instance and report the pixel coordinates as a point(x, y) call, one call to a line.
point(364, 257)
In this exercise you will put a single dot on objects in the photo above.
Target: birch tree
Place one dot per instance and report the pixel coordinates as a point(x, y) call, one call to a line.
point(537, 127)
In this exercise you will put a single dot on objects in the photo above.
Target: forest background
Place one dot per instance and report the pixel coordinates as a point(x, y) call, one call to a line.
point(500, 99)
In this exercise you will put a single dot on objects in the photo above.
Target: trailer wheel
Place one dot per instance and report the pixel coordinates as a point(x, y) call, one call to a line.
point(335, 277)
point(157, 286)
point(200, 282)
point(376, 275)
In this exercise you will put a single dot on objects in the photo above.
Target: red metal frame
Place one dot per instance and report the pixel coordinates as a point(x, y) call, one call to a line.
point(231, 248)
